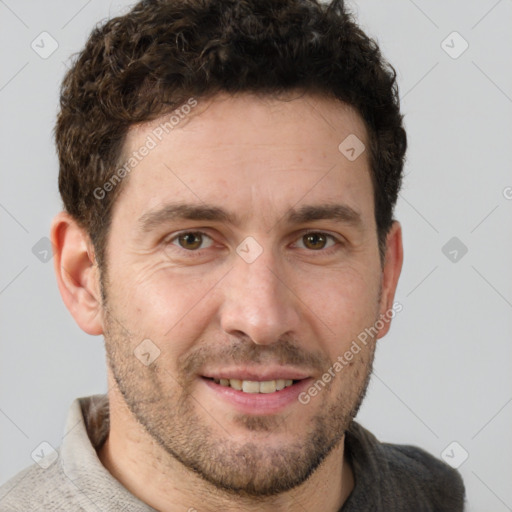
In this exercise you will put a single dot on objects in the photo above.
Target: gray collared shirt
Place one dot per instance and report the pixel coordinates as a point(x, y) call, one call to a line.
point(388, 478)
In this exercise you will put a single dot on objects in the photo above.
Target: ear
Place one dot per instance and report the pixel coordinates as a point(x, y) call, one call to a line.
point(393, 260)
point(77, 273)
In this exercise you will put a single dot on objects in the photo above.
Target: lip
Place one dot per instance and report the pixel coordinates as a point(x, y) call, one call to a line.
point(259, 374)
point(256, 403)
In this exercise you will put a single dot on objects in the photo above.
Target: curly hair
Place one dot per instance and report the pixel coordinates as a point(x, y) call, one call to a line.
point(148, 62)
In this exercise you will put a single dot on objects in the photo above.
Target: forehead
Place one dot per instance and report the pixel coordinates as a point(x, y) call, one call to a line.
point(251, 152)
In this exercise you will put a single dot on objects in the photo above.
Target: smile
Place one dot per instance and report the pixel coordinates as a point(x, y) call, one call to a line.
point(254, 386)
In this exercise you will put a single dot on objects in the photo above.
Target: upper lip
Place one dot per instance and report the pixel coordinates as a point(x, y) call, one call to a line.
point(257, 374)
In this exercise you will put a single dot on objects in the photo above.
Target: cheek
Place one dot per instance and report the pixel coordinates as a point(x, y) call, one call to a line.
point(167, 306)
point(342, 305)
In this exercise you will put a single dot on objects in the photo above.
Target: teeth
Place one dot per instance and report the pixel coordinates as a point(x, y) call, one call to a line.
point(250, 386)
point(234, 383)
point(253, 386)
point(268, 386)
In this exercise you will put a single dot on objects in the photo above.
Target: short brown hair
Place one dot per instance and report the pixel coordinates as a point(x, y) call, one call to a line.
point(142, 65)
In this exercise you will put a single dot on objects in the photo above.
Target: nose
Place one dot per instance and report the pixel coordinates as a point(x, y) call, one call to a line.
point(259, 302)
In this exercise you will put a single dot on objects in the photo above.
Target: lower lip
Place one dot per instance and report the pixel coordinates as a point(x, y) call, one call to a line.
point(259, 403)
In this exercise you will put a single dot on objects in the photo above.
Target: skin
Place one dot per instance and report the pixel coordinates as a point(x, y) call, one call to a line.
point(299, 304)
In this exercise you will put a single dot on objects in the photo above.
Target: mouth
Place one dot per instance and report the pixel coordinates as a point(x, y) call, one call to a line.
point(260, 391)
point(255, 386)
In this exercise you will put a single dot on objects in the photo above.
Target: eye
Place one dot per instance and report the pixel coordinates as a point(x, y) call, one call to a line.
point(316, 241)
point(192, 240)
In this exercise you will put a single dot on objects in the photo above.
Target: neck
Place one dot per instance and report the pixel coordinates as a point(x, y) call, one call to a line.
point(162, 482)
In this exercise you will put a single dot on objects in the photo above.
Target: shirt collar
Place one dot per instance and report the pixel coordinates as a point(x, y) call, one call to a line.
point(86, 429)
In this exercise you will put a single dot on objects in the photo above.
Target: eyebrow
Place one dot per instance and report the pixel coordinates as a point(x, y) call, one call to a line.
point(205, 212)
point(339, 212)
point(170, 212)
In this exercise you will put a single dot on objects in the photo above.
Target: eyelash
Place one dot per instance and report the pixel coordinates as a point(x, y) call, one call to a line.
point(338, 243)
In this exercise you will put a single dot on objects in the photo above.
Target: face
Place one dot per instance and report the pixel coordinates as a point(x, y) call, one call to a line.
point(243, 250)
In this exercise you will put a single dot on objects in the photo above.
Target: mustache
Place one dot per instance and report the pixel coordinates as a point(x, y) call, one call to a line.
point(244, 352)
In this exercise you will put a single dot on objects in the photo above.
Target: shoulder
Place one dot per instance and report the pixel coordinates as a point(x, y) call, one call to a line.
point(407, 476)
point(38, 488)
point(426, 476)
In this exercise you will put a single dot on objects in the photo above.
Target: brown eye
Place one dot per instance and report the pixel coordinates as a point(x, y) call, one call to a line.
point(314, 241)
point(191, 240)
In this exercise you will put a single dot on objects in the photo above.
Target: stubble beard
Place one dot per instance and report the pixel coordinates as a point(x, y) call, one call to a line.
point(169, 414)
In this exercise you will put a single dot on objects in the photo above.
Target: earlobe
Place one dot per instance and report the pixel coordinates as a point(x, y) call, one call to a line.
point(392, 267)
point(77, 273)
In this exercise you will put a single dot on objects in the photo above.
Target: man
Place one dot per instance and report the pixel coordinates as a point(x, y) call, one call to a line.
point(229, 171)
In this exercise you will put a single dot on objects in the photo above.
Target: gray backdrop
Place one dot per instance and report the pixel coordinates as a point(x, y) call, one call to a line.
point(443, 376)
